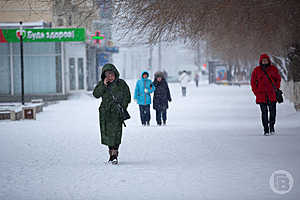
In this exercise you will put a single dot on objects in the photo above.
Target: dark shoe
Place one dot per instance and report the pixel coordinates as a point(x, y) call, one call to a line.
point(148, 123)
point(144, 123)
point(164, 123)
point(272, 130)
point(114, 161)
point(110, 155)
point(266, 132)
point(159, 123)
point(115, 154)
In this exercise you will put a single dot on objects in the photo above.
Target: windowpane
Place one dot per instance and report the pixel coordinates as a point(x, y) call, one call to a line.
point(4, 69)
point(80, 74)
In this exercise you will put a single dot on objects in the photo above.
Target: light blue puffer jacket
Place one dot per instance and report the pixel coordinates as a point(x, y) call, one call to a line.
point(143, 97)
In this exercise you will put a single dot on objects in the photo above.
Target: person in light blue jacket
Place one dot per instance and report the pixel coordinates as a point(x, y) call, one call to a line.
point(144, 87)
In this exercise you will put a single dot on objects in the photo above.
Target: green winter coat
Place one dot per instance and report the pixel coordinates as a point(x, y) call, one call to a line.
point(110, 122)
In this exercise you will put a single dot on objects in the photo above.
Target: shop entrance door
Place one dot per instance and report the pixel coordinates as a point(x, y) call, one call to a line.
point(72, 74)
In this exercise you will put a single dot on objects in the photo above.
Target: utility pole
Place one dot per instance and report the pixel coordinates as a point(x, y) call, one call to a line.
point(22, 62)
point(159, 55)
point(150, 67)
point(125, 64)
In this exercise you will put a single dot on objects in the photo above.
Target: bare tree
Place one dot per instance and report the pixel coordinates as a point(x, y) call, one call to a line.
point(230, 27)
point(235, 31)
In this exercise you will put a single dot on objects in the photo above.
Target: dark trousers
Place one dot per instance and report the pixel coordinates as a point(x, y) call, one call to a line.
point(113, 152)
point(145, 113)
point(161, 114)
point(266, 108)
point(114, 147)
point(183, 91)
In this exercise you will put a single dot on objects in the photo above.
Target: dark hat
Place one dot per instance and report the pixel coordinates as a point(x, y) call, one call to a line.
point(159, 74)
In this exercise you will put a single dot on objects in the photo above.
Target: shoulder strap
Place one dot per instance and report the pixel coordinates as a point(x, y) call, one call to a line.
point(269, 79)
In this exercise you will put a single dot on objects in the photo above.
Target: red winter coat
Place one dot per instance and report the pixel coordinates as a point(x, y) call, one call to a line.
point(261, 85)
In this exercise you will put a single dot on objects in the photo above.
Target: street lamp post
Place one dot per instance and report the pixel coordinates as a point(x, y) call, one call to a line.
point(159, 55)
point(22, 62)
point(150, 58)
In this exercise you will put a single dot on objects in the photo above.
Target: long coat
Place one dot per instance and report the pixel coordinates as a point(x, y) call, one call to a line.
point(110, 121)
point(261, 85)
point(161, 95)
point(142, 97)
point(184, 79)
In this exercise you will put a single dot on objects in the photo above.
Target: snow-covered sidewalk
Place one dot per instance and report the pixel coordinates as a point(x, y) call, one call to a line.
point(212, 148)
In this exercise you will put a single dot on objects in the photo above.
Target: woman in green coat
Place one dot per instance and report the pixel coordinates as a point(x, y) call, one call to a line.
point(113, 91)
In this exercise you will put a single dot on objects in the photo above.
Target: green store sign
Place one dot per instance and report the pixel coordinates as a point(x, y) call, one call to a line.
point(43, 35)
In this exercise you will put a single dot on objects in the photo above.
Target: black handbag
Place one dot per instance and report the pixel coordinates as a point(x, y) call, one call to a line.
point(279, 95)
point(278, 92)
point(123, 113)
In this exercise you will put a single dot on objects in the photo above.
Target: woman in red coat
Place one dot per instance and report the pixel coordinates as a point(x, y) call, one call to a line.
point(264, 91)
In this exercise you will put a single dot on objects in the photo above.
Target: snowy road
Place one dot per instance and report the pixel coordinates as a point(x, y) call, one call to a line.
point(212, 148)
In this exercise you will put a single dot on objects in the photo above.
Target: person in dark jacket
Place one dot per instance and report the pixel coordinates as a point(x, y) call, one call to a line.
point(161, 98)
point(196, 78)
point(264, 91)
point(113, 91)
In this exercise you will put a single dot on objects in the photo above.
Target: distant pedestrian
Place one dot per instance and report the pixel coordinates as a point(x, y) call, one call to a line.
point(184, 79)
point(114, 92)
point(196, 78)
point(144, 87)
point(161, 98)
point(264, 91)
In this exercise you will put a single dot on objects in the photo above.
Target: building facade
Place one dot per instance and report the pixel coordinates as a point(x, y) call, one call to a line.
point(52, 70)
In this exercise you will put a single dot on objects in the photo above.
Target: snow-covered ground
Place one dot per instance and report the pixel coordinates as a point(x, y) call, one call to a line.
point(212, 148)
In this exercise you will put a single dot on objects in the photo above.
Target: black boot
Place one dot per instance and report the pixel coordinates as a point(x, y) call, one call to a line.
point(272, 130)
point(266, 131)
point(164, 123)
point(115, 154)
point(148, 123)
point(110, 155)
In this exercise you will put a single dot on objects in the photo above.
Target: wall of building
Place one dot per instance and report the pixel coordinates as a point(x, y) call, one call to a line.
point(28, 11)
point(48, 67)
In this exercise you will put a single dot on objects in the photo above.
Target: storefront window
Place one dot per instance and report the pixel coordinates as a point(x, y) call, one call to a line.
point(40, 68)
point(4, 69)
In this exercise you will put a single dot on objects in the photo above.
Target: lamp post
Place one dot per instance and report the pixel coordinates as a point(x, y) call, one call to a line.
point(150, 67)
point(159, 55)
point(22, 62)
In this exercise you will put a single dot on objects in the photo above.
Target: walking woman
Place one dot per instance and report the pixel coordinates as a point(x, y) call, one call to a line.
point(161, 98)
point(144, 87)
point(114, 92)
point(184, 79)
point(264, 91)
